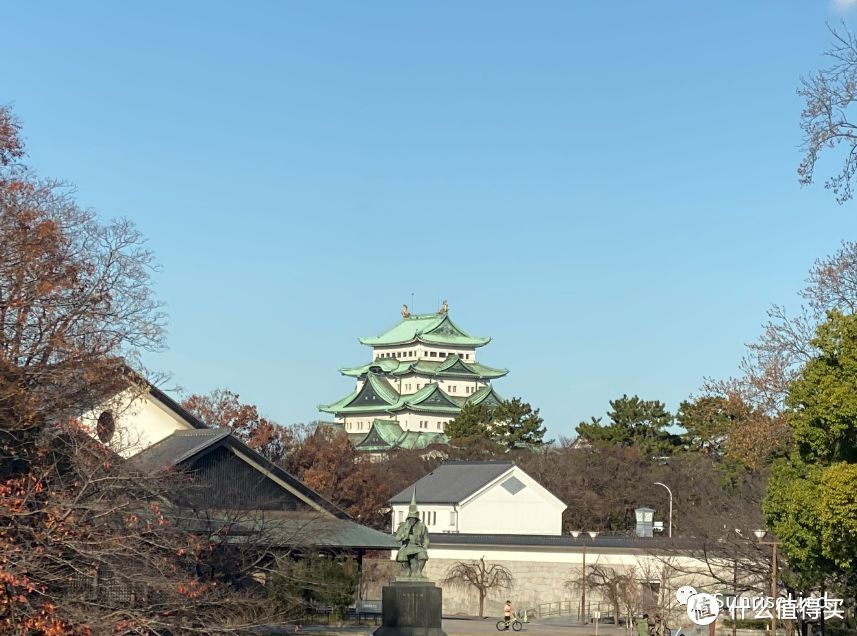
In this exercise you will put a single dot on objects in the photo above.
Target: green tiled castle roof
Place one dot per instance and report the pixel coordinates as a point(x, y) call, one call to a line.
point(429, 328)
point(487, 396)
point(453, 366)
point(378, 396)
point(386, 435)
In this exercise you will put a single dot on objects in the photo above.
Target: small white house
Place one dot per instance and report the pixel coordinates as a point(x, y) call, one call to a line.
point(482, 497)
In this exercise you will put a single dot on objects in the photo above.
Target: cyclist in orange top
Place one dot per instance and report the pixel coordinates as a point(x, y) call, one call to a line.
point(507, 611)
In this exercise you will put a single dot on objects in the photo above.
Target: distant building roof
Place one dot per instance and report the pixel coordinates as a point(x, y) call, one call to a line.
point(560, 541)
point(429, 328)
point(452, 367)
point(377, 395)
point(453, 482)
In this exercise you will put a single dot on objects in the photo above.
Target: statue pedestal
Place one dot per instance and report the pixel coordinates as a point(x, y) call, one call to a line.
point(411, 608)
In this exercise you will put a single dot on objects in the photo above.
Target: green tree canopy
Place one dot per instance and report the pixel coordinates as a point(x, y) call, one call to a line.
point(708, 421)
point(633, 422)
point(822, 402)
point(811, 504)
point(472, 422)
point(512, 424)
point(516, 424)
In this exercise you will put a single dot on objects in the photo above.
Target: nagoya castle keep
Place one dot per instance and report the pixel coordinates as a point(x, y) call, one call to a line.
point(423, 371)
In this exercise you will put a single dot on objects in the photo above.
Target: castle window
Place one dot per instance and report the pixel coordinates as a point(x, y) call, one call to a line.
point(433, 354)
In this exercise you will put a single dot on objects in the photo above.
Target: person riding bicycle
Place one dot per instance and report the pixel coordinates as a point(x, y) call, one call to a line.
point(507, 611)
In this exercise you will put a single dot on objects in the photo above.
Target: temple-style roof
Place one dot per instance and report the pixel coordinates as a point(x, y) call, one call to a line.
point(453, 367)
point(387, 435)
point(377, 395)
point(429, 328)
point(486, 395)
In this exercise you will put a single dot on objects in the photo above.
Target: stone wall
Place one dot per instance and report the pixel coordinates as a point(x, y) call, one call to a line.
point(535, 582)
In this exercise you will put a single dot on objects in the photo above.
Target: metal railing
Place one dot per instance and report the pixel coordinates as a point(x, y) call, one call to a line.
point(572, 608)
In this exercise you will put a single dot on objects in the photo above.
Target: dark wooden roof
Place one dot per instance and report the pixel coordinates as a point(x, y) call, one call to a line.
point(183, 448)
point(178, 447)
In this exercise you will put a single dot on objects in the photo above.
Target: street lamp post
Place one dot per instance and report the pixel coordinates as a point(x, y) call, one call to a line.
point(657, 483)
point(592, 534)
point(760, 534)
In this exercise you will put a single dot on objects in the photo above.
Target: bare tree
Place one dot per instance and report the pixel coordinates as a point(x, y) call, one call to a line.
point(479, 575)
point(88, 544)
point(775, 359)
point(619, 586)
point(829, 93)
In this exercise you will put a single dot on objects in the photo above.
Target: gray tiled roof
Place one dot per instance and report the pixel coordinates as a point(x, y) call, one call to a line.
point(178, 447)
point(453, 482)
point(296, 530)
point(559, 541)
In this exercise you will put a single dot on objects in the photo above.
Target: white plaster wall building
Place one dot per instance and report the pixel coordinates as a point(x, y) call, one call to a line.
point(137, 418)
point(493, 510)
point(482, 497)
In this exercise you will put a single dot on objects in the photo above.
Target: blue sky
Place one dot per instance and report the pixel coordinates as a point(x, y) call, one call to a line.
point(608, 189)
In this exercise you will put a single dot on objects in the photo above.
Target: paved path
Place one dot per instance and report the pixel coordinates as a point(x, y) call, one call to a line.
point(475, 626)
point(467, 626)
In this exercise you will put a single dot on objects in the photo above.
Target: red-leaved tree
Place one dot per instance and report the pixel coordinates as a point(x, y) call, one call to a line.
point(87, 545)
point(223, 408)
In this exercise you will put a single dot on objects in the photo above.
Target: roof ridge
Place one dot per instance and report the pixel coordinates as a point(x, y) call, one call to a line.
point(477, 461)
point(202, 432)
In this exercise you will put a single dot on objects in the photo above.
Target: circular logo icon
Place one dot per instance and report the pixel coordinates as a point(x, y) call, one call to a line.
point(702, 608)
point(683, 593)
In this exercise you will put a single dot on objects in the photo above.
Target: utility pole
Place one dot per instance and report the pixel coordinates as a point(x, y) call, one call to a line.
point(760, 534)
point(592, 534)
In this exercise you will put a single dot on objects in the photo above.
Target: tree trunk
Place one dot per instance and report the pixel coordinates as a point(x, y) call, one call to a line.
point(482, 594)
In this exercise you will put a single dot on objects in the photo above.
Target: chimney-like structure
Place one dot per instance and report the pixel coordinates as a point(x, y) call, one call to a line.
point(645, 521)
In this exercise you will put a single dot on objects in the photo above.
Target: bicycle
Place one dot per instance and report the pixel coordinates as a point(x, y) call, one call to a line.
point(514, 623)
